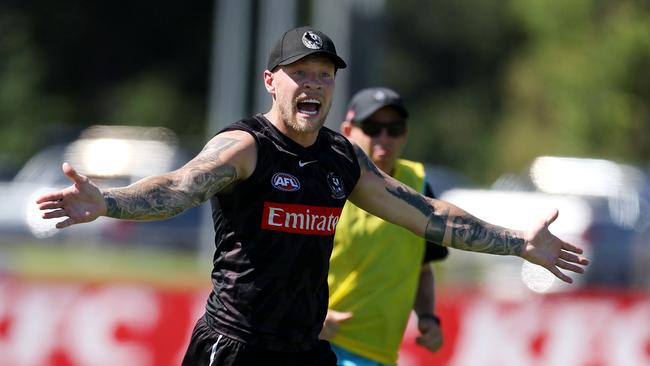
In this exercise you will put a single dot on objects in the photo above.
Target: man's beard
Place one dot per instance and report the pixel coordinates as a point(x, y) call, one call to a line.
point(303, 125)
point(300, 124)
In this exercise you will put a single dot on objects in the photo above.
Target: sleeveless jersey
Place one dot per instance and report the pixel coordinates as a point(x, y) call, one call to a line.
point(374, 273)
point(273, 235)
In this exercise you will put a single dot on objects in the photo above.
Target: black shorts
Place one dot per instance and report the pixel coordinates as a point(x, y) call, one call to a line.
point(209, 348)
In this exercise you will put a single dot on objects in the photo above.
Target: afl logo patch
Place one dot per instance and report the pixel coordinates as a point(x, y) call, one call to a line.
point(312, 40)
point(336, 186)
point(285, 182)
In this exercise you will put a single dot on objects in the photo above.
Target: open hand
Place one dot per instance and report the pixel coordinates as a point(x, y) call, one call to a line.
point(81, 202)
point(547, 250)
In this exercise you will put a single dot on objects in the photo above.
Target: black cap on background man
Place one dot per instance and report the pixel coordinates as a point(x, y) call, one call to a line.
point(300, 42)
point(367, 101)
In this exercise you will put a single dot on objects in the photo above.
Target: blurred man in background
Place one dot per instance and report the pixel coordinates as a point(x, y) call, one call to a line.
point(380, 271)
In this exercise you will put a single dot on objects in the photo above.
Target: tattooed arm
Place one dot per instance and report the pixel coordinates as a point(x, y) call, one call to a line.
point(226, 159)
point(446, 224)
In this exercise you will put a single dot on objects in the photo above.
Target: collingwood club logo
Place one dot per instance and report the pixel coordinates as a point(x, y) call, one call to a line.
point(312, 40)
point(336, 186)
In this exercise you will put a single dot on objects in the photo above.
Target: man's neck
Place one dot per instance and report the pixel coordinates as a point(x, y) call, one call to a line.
point(304, 139)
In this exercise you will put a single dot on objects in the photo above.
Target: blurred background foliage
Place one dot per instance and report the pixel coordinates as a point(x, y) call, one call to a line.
point(63, 68)
point(494, 84)
point(490, 85)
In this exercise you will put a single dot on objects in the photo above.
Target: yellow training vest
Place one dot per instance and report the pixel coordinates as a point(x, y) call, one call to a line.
point(374, 273)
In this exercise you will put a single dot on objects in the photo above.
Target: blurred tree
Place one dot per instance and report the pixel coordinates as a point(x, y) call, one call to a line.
point(66, 67)
point(581, 85)
point(491, 85)
point(447, 58)
point(24, 106)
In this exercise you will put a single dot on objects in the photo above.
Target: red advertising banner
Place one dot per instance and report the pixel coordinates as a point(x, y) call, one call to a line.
point(583, 328)
point(91, 325)
point(70, 324)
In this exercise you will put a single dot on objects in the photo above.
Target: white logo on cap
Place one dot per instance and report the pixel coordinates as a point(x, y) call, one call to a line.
point(312, 40)
point(380, 96)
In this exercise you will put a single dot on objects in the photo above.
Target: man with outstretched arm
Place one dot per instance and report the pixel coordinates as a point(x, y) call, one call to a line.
point(374, 262)
point(277, 183)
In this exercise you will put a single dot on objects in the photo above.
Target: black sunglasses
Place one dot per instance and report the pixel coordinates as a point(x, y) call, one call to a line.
point(373, 129)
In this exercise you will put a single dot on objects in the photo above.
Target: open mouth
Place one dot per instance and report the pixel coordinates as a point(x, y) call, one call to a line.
point(310, 107)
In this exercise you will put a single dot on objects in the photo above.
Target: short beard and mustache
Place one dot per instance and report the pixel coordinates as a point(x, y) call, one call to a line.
point(297, 123)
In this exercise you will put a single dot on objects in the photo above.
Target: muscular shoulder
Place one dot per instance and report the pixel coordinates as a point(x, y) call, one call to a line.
point(235, 148)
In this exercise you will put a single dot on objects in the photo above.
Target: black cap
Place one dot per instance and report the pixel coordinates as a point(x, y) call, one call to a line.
point(368, 101)
point(300, 42)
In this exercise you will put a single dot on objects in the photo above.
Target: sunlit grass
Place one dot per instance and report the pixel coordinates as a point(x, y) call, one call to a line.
point(83, 263)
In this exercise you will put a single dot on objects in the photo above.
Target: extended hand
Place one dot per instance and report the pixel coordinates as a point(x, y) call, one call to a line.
point(430, 334)
point(548, 251)
point(81, 202)
point(332, 323)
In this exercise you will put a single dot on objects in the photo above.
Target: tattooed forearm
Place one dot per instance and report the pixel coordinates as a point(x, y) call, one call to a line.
point(167, 195)
point(468, 233)
point(145, 200)
point(436, 227)
point(365, 163)
point(437, 218)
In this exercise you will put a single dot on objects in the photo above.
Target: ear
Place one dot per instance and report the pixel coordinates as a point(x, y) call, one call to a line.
point(346, 128)
point(268, 81)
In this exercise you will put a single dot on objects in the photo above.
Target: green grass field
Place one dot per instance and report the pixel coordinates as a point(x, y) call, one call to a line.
point(99, 263)
point(103, 263)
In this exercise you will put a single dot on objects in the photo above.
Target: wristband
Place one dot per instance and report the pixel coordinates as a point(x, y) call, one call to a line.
point(430, 316)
